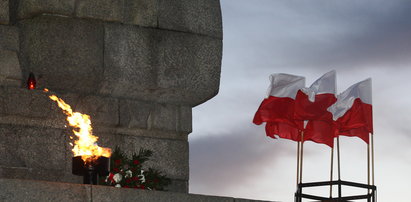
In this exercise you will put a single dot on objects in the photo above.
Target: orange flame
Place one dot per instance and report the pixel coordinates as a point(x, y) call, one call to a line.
point(85, 146)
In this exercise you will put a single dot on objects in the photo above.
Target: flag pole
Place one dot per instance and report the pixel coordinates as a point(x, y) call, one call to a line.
point(372, 157)
point(298, 161)
point(302, 155)
point(368, 164)
point(331, 172)
point(339, 166)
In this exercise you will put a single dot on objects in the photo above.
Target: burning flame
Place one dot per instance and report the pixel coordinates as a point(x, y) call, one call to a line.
point(85, 146)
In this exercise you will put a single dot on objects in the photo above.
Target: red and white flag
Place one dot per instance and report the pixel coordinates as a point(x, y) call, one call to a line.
point(352, 112)
point(277, 110)
point(311, 105)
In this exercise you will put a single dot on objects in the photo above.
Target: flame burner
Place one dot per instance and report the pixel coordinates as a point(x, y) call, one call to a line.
point(91, 170)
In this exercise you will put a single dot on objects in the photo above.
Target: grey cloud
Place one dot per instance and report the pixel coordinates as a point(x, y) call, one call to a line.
point(237, 158)
point(322, 35)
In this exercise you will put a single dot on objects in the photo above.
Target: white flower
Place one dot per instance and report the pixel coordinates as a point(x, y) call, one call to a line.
point(117, 185)
point(142, 177)
point(128, 174)
point(117, 177)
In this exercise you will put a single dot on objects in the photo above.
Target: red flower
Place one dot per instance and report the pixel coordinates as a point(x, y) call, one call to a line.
point(110, 177)
point(116, 170)
point(126, 186)
point(117, 162)
point(128, 180)
point(142, 187)
point(135, 178)
point(136, 162)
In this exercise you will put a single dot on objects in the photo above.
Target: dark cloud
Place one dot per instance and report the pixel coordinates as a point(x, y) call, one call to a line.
point(326, 34)
point(237, 158)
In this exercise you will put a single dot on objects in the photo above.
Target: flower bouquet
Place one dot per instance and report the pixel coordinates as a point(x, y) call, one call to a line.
point(131, 173)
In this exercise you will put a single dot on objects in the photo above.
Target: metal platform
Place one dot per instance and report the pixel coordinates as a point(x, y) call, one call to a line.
point(370, 197)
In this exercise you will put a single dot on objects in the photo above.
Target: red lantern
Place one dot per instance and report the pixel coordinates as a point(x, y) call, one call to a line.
point(31, 82)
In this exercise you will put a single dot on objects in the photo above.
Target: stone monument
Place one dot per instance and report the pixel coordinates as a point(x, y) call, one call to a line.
point(136, 66)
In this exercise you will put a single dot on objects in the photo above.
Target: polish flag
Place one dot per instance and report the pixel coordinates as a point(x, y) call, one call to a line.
point(277, 110)
point(352, 112)
point(311, 105)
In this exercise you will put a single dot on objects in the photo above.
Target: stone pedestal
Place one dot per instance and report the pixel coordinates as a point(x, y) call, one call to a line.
point(136, 66)
point(29, 190)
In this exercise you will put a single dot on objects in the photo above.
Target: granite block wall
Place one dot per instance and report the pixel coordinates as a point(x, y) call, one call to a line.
point(136, 66)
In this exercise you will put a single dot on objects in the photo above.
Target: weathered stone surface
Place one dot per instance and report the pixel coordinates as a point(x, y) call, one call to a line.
point(9, 38)
point(30, 8)
point(101, 193)
point(161, 66)
point(22, 102)
point(185, 119)
point(4, 11)
point(196, 16)
point(134, 114)
point(33, 147)
point(180, 186)
point(189, 67)
point(102, 110)
point(107, 10)
point(170, 156)
point(10, 72)
point(141, 12)
point(164, 117)
point(65, 54)
point(128, 60)
point(39, 174)
point(30, 190)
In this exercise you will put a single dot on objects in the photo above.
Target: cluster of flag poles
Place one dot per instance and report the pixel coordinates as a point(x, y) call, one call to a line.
point(293, 111)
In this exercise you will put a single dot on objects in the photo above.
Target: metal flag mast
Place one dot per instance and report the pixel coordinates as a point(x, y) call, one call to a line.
point(370, 187)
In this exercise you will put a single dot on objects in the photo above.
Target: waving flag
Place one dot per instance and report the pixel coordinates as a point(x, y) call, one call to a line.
point(278, 108)
point(311, 105)
point(353, 111)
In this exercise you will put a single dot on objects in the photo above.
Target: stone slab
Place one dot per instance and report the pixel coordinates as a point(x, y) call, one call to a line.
point(30, 190)
point(102, 110)
point(195, 16)
point(189, 66)
point(28, 103)
point(107, 10)
point(10, 72)
point(168, 117)
point(129, 61)
point(4, 12)
point(30, 8)
point(33, 190)
point(9, 38)
point(30, 147)
point(101, 193)
point(164, 117)
point(65, 54)
point(141, 12)
point(134, 113)
point(160, 66)
point(185, 120)
point(39, 174)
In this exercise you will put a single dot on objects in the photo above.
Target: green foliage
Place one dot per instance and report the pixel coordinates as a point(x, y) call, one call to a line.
point(129, 173)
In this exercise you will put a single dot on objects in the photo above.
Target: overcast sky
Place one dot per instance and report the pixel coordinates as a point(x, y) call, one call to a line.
point(231, 156)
